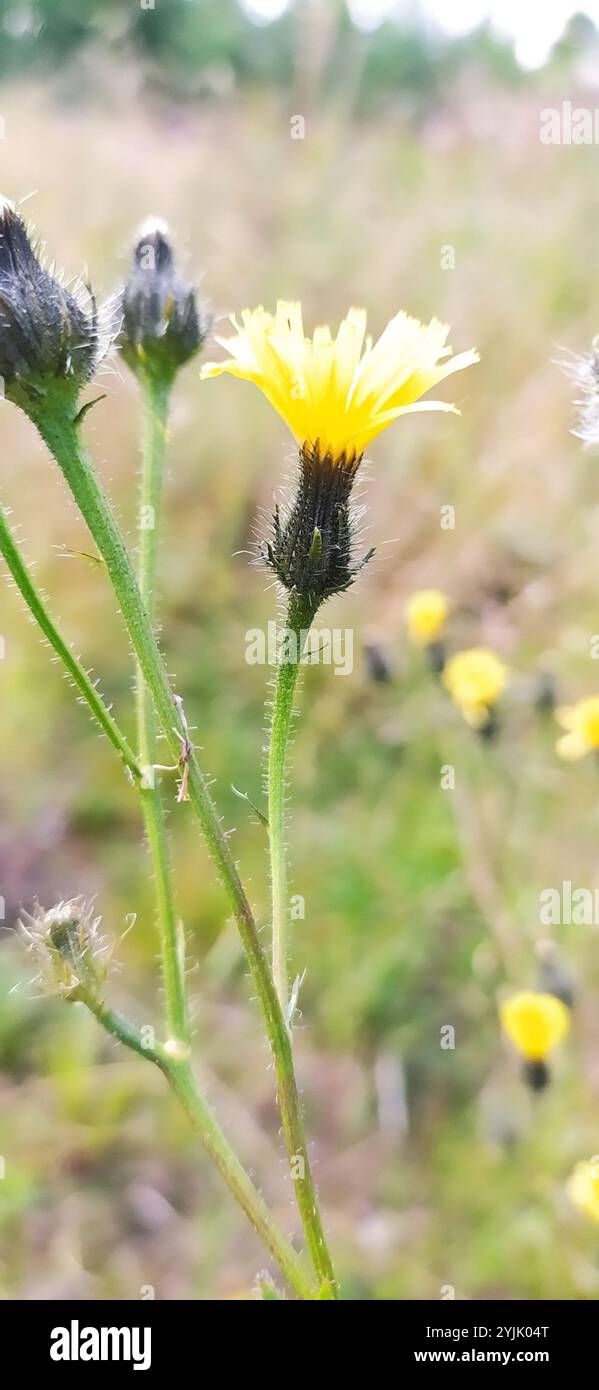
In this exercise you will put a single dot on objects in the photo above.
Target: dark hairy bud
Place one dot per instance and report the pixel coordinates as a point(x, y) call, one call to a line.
point(162, 323)
point(47, 333)
point(311, 549)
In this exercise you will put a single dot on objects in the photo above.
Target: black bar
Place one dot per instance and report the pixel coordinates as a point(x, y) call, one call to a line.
point(158, 1336)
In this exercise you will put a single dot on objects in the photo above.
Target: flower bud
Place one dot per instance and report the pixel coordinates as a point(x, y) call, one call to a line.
point(377, 663)
point(536, 1075)
point(545, 692)
point(67, 946)
point(162, 326)
point(312, 545)
point(47, 333)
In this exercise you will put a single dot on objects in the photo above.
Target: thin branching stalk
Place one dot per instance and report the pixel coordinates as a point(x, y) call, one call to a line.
point(175, 1069)
point(38, 608)
point(61, 434)
point(155, 394)
point(182, 1082)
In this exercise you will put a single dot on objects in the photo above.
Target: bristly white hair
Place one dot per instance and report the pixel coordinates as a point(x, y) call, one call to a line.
point(65, 942)
point(583, 370)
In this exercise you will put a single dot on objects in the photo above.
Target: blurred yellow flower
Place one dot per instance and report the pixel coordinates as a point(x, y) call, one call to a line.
point(426, 615)
point(336, 394)
point(475, 679)
point(535, 1023)
point(583, 1188)
point(582, 722)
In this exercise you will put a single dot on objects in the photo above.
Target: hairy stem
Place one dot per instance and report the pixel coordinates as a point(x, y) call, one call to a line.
point(59, 430)
point(293, 637)
point(178, 1075)
point(182, 1082)
point(37, 607)
point(299, 618)
point(172, 943)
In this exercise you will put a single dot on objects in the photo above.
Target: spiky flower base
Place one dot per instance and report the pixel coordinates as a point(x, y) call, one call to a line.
point(312, 546)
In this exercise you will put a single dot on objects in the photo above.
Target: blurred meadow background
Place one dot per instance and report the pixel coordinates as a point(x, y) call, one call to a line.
point(437, 1168)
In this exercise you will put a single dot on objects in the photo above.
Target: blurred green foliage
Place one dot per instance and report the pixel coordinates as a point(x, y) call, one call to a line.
point(190, 48)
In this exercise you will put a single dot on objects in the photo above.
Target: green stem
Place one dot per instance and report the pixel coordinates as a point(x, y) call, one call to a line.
point(182, 1082)
point(299, 618)
point(155, 402)
point(60, 433)
point(179, 1076)
point(86, 687)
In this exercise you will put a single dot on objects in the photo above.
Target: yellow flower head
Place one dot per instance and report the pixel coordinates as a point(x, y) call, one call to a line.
point(582, 723)
point(535, 1023)
point(583, 1188)
point(426, 615)
point(336, 394)
point(475, 679)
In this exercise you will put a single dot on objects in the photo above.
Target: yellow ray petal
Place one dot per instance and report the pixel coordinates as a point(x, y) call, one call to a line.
point(571, 747)
point(340, 392)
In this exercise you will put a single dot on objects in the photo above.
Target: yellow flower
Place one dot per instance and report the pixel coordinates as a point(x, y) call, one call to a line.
point(475, 679)
point(582, 722)
point(583, 1188)
point(337, 394)
point(535, 1023)
point(426, 615)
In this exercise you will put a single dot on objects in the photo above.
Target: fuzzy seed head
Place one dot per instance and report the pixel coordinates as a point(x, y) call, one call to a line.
point(583, 371)
point(71, 954)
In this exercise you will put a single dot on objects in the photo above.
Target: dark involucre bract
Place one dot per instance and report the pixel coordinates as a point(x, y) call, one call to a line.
point(46, 331)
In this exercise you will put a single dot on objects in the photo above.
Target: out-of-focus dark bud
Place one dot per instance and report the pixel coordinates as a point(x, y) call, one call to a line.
point(545, 693)
point(48, 334)
point(489, 730)
point(436, 657)
point(162, 322)
point(536, 1075)
point(555, 977)
point(502, 592)
point(66, 945)
point(377, 663)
